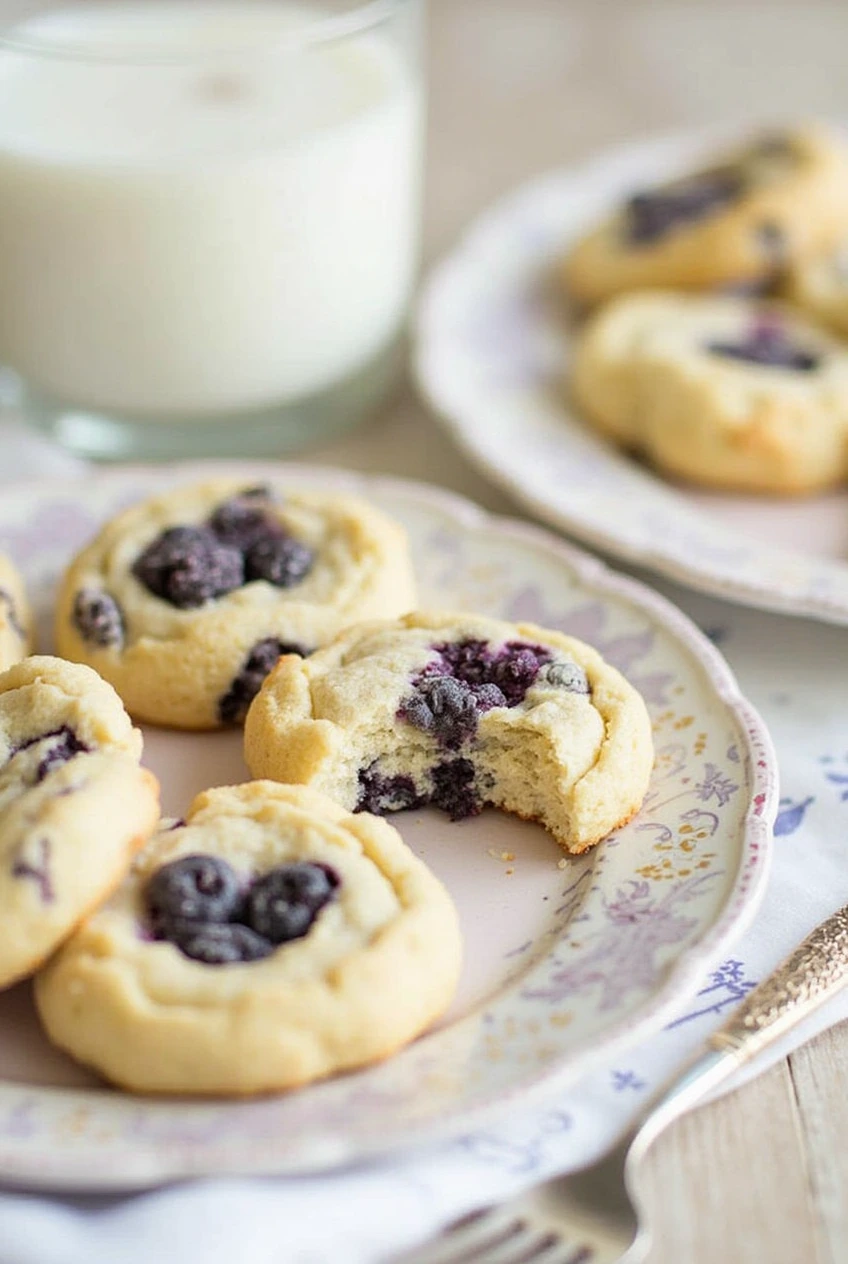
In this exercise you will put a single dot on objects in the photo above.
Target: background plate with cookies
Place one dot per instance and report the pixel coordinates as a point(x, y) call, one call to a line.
point(495, 338)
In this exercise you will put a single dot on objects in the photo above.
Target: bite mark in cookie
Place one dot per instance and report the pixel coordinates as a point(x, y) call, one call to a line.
point(458, 711)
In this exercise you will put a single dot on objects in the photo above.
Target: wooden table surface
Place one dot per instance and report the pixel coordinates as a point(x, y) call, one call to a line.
point(518, 87)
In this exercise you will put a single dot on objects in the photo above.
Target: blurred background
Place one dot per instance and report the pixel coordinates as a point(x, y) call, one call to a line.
point(520, 86)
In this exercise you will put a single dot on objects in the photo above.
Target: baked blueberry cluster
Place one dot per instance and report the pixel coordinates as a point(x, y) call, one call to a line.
point(97, 617)
point(62, 745)
point(768, 344)
point(381, 792)
point(463, 681)
point(232, 707)
point(198, 904)
point(467, 678)
point(651, 215)
point(240, 543)
point(454, 789)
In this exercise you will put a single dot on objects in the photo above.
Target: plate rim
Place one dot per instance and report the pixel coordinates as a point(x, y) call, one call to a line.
point(461, 425)
point(680, 979)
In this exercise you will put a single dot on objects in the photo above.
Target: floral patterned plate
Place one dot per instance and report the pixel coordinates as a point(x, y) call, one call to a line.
point(492, 359)
point(566, 958)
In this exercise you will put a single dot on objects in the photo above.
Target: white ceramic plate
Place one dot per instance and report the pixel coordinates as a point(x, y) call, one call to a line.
point(492, 359)
point(565, 959)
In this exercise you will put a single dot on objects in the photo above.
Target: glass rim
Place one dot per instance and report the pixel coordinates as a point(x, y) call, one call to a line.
point(324, 29)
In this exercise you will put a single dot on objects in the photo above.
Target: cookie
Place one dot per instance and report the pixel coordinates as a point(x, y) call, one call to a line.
point(15, 616)
point(819, 286)
point(185, 601)
point(74, 804)
point(459, 711)
point(724, 392)
point(736, 225)
point(269, 940)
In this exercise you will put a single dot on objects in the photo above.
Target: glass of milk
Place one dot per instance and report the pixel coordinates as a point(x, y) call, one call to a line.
point(208, 218)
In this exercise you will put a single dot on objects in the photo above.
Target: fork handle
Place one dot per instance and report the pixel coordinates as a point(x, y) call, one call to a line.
point(810, 975)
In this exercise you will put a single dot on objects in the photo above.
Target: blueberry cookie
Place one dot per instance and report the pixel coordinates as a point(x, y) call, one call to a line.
point(185, 602)
point(459, 711)
point(74, 804)
point(819, 286)
point(15, 617)
point(719, 391)
point(268, 940)
point(737, 224)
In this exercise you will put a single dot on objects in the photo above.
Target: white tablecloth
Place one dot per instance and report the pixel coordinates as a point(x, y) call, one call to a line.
point(794, 672)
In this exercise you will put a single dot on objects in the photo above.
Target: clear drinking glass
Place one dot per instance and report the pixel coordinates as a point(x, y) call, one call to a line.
point(209, 217)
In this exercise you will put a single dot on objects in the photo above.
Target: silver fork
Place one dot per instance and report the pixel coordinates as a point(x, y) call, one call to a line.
point(591, 1217)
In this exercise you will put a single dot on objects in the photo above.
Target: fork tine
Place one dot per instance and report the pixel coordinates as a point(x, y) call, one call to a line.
point(567, 1253)
point(520, 1248)
point(461, 1241)
point(537, 1246)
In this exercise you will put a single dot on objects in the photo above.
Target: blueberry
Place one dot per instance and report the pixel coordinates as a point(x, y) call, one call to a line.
point(444, 707)
point(188, 566)
point(651, 215)
point(767, 344)
point(64, 745)
point(284, 903)
point(469, 661)
point(242, 520)
point(466, 680)
point(194, 888)
point(380, 794)
point(232, 707)
point(97, 617)
point(218, 944)
point(453, 789)
point(516, 669)
point(279, 559)
point(565, 675)
point(488, 697)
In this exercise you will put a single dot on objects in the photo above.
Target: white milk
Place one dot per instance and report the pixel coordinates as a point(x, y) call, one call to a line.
point(209, 235)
